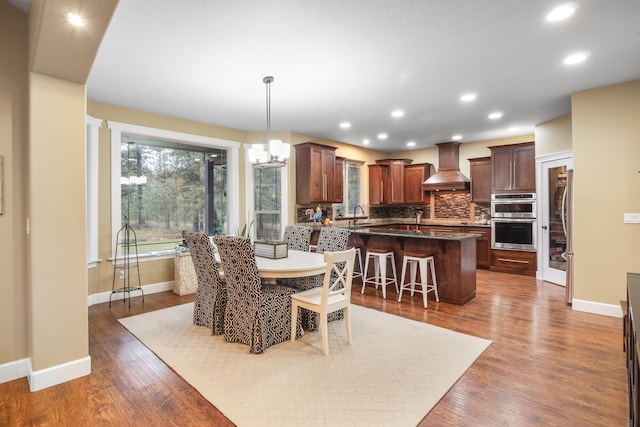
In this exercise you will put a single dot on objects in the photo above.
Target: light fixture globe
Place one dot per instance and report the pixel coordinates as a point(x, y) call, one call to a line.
point(278, 150)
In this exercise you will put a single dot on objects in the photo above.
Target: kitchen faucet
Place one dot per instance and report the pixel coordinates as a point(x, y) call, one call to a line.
point(354, 213)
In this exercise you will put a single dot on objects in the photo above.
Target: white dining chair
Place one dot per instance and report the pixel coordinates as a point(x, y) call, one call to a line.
point(334, 295)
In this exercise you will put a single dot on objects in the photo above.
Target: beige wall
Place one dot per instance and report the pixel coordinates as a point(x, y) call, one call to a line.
point(59, 325)
point(606, 149)
point(13, 150)
point(554, 136)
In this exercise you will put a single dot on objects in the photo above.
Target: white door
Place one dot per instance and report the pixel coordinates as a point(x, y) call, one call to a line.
point(551, 229)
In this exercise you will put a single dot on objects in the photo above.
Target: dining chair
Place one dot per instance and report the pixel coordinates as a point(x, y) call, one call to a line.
point(257, 314)
point(330, 239)
point(297, 237)
point(211, 293)
point(334, 295)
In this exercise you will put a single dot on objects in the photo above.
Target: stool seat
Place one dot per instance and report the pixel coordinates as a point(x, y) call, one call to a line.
point(425, 262)
point(380, 259)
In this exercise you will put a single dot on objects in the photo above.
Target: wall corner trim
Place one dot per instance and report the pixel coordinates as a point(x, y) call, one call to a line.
point(14, 370)
point(59, 374)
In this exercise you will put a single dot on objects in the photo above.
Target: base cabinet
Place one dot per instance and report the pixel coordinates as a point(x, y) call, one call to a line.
point(514, 262)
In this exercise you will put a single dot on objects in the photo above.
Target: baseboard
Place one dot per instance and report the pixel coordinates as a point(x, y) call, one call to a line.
point(14, 370)
point(612, 310)
point(147, 289)
point(59, 374)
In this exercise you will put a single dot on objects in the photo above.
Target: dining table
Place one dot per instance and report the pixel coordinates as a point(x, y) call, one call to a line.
point(295, 264)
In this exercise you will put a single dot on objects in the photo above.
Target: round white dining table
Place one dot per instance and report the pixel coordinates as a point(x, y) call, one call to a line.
point(296, 264)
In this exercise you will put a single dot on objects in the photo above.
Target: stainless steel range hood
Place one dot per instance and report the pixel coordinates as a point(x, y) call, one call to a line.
point(448, 176)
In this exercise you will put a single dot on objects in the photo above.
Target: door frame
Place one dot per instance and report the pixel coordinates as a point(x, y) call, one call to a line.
point(542, 163)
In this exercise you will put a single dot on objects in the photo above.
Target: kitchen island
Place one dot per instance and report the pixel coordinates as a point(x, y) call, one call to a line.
point(454, 254)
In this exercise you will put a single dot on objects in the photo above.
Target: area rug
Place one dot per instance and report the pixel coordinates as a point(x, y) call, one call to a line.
point(392, 374)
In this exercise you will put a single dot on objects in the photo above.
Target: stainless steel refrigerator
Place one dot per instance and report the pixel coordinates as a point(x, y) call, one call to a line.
point(567, 226)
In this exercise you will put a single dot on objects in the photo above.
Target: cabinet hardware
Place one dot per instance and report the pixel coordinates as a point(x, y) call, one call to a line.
point(518, 261)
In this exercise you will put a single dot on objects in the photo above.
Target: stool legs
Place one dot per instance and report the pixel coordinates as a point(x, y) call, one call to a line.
point(380, 271)
point(425, 264)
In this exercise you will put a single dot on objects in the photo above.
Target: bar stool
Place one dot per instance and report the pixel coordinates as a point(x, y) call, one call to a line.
point(358, 259)
point(380, 258)
point(424, 262)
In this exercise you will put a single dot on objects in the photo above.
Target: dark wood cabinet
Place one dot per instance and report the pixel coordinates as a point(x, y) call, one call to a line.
point(378, 183)
point(483, 246)
point(414, 176)
point(513, 168)
point(386, 181)
point(480, 171)
point(318, 174)
point(515, 262)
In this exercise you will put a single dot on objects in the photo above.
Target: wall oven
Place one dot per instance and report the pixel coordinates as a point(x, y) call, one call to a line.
point(513, 221)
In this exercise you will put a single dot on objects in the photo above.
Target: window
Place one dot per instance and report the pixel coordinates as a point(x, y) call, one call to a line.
point(351, 191)
point(166, 182)
point(268, 203)
point(91, 170)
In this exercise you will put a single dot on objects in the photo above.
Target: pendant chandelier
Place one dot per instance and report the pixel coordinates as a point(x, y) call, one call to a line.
point(278, 152)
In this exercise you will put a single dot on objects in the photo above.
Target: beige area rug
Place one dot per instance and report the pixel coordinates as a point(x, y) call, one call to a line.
point(392, 374)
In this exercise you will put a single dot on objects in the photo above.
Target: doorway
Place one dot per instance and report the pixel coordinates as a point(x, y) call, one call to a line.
point(552, 227)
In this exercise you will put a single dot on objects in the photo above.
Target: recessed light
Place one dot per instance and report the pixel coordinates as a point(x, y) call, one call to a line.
point(456, 137)
point(382, 136)
point(365, 141)
point(468, 97)
point(75, 20)
point(411, 144)
point(576, 58)
point(397, 113)
point(345, 125)
point(495, 115)
point(561, 12)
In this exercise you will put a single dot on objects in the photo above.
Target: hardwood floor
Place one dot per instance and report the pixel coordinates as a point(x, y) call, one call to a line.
point(548, 365)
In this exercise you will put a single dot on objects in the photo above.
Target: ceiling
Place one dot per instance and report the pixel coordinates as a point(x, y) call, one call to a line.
point(357, 61)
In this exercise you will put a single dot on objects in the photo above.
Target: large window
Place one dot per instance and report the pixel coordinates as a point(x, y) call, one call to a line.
point(167, 188)
point(170, 182)
point(268, 203)
point(351, 190)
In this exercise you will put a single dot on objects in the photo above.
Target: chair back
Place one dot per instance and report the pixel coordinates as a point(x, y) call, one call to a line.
point(338, 276)
point(332, 239)
point(297, 237)
point(203, 259)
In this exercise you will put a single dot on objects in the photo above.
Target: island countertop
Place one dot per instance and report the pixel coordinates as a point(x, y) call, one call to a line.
point(413, 233)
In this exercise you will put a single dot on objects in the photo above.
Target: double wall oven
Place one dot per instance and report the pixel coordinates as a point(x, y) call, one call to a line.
point(513, 221)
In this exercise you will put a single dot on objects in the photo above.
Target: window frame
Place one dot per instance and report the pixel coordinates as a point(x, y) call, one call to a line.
point(345, 187)
point(233, 172)
point(250, 214)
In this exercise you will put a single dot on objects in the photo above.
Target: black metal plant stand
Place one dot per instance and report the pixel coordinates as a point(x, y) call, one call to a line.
point(127, 243)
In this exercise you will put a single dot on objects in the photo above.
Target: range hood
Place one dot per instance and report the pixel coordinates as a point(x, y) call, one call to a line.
point(448, 176)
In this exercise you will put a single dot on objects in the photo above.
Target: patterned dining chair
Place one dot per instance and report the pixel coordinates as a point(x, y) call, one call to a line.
point(211, 293)
point(297, 237)
point(331, 239)
point(257, 314)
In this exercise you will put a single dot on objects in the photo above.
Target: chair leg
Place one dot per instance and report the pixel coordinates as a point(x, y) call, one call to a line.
point(383, 277)
point(347, 324)
point(433, 278)
point(376, 269)
point(294, 320)
point(325, 333)
point(413, 267)
point(393, 268)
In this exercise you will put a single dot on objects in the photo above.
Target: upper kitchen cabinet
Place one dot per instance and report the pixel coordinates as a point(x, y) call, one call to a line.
point(480, 169)
point(513, 168)
point(414, 176)
point(386, 181)
point(318, 174)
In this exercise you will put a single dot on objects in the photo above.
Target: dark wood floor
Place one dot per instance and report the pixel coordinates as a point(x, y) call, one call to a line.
point(548, 365)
